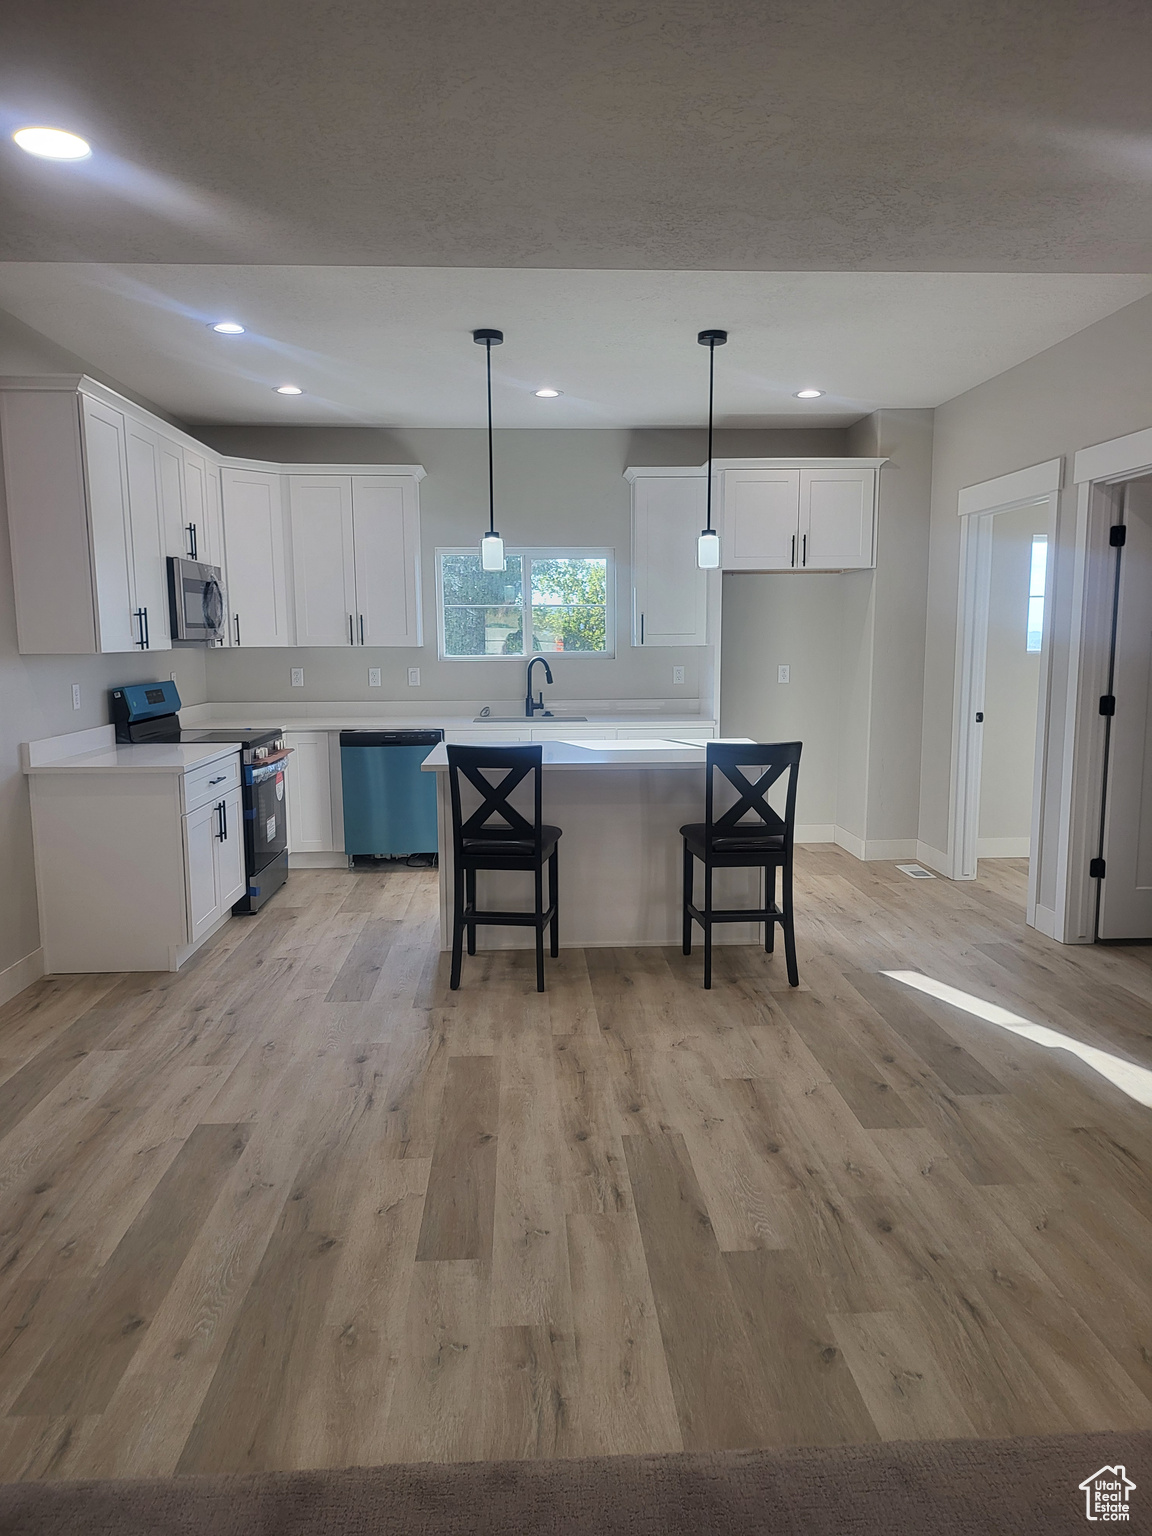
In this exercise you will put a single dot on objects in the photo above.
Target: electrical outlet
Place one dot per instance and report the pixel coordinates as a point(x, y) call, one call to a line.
point(677, 674)
point(413, 677)
point(374, 677)
point(783, 674)
point(75, 695)
point(297, 677)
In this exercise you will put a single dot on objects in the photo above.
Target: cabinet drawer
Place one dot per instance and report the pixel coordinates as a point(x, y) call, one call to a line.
point(212, 782)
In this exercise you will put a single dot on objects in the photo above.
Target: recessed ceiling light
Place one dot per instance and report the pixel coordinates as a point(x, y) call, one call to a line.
point(228, 328)
point(547, 394)
point(289, 389)
point(52, 143)
point(809, 394)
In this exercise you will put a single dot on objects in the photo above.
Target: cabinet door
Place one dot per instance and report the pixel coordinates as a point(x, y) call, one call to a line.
point(196, 508)
point(309, 782)
point(760, 519)
point(171, 460)
point(201, 829)
point(669, 591)
point(254, 547)
point(107, 477)
point(386, 534)
point(837, 519)
point(148, 570)
point(228, 850)
point(320, 509)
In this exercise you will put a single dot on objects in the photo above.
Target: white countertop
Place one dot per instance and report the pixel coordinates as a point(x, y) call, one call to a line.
point(162, 757)
point(660, 753)
point(453, 717)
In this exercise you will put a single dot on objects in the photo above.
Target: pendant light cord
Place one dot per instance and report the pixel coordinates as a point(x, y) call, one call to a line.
point(491, 477)
point(711, 374)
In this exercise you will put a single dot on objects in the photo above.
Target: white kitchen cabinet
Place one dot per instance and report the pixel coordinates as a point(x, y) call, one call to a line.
point(669, 591)
point(146, 519)
point(213, 861)
point(255, 558)
point(807, 517)
point(309, 797)
point(356, 559)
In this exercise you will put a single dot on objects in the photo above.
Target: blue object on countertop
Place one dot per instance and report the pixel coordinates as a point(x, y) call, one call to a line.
point(142, 701)
point(389, 804)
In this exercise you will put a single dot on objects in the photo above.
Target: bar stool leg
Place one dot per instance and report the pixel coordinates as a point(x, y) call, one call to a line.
point(539, 927)
point(789, 934)
point(769, 903)
point(470, 893)
point(688, 880)
point(554, 900)
point(707, 926)
point(457, 926)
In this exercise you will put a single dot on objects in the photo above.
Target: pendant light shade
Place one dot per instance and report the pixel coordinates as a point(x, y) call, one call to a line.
point(491, 545)
point(708, 544)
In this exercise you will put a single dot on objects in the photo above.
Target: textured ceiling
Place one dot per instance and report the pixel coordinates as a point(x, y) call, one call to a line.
point(393, 346)
point(997, 135)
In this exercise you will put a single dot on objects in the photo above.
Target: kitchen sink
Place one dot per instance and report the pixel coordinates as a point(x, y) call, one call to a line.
point(524, 719)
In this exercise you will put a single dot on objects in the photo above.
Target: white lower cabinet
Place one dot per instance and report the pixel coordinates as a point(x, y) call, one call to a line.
point(213, 861)
point(135, 868)
point(309, 784)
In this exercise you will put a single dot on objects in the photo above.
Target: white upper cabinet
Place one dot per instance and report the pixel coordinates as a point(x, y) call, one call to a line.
point(761, 517)
point(255, 558)
point(146, 519)
point(356, 559)
point(669, 591)
point(799, 517)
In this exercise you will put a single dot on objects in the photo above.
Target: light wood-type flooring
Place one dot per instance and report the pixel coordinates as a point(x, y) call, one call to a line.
point(299, 1205)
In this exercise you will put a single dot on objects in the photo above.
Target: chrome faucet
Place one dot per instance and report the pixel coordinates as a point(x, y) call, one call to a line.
point(531, 705)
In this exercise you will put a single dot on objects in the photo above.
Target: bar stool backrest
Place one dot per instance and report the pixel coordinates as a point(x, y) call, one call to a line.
point(494, 820)
point(728, 758)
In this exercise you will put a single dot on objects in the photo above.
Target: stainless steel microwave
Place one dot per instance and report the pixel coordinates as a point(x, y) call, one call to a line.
point(195, 601)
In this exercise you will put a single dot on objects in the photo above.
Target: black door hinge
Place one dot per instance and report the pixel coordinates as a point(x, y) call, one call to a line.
point(1096, 869)
point(1117, 534)
point(1107, 703)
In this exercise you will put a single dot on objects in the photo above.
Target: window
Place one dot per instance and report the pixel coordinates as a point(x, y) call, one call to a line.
point(1037, 576)
point(559, 599)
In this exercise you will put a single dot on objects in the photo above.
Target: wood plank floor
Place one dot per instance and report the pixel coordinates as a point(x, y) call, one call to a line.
point(300, 1206)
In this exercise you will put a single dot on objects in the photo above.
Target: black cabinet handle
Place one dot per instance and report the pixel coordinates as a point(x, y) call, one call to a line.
point(141, 618)
point(190, 530)
point(351, 634)
point(361, 629)
point(221, 823)
point(236, 621)
point(804, 555)
point(793, 549)
point(641, 630)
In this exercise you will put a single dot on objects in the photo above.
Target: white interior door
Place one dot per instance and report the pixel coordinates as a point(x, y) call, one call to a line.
point(386, 521)
point(761, 519)
point(1126, 890)
point(320, 507)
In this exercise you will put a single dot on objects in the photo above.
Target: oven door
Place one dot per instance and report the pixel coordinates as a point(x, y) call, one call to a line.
point(265, 812)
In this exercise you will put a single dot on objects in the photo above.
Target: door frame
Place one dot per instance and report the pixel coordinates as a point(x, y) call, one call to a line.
point(978, 505)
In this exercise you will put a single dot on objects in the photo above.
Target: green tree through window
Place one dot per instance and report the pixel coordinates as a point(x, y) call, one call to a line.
point(561, 599)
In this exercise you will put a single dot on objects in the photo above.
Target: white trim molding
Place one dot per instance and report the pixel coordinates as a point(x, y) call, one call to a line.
point(1121, 458)
point(1020, 488)
point(16, 977)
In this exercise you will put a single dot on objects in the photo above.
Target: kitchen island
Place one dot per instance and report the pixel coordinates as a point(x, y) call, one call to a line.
point(621, 805)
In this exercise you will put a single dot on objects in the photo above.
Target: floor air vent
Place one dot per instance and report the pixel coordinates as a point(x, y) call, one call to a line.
point(916, 871)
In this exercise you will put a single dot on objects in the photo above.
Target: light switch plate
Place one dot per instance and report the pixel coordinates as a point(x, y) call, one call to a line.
point(783, 674)
point(75, 695)
point(677, 674)
point(374, 677)
point(413, 677)
point(297, 677)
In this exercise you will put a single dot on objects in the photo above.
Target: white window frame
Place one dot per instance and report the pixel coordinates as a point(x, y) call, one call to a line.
point(536, 552)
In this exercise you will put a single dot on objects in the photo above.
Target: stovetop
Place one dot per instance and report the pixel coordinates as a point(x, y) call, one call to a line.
point(257, 742)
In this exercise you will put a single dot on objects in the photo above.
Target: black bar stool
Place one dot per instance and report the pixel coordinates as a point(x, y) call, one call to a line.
point(729, 841)
point(509, 842)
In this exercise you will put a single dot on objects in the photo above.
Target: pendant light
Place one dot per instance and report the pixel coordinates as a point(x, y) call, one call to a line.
point(708, 544)
point(491, 545)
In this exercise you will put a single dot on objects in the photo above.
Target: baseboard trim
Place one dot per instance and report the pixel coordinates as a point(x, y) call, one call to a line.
point(317, 861)
point(815, 832)
point(933, 858)
point(852, 844)
point(16, 977)
point(1003, 847)
point(878, 848)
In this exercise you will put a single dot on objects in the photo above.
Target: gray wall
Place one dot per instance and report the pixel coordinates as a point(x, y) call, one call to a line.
point(552, 487)
point(1094, 386)
point(36, 691)
point(1012, 681)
